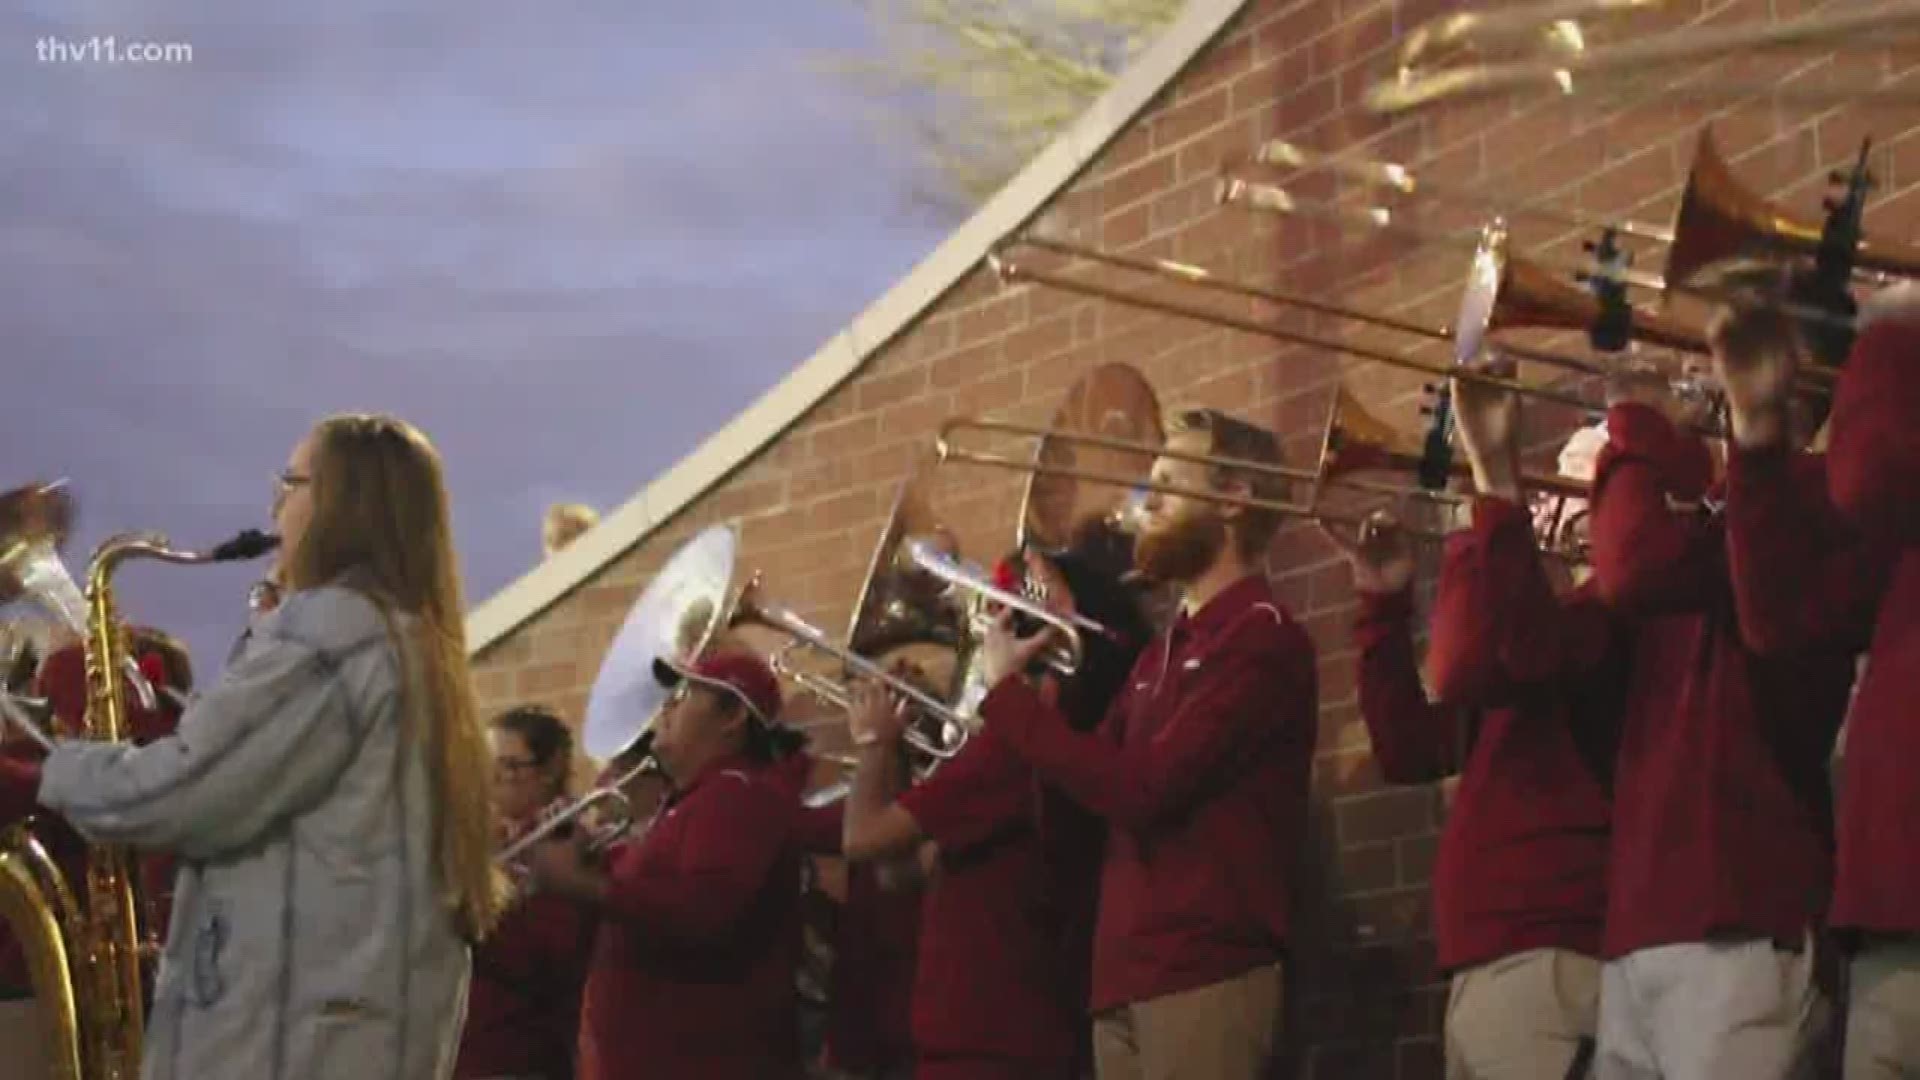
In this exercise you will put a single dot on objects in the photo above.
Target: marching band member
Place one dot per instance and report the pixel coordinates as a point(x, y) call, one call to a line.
point(62, 680)
point(999, 992)
point(565, 523)
point(523, 1013)
point(1805, 579)
point(324, 796)
point(875, 931)
point(1723, 840)
point(1201, 770)
point(1519, 885)
point(693, 966)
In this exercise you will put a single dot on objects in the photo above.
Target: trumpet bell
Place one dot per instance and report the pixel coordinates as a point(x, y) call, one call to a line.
point(675, 619)
point(1504, 292)
point(1355, 440)
point(1720, 221)
point(35, 522)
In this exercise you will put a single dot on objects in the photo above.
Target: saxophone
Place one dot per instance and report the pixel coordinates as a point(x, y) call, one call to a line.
point(109, 984)
point(85, 958)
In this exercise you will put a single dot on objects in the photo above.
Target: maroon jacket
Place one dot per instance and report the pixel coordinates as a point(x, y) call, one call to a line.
point(523, 1004)
point(989, 985)
point(1722, 803)
point(693, 967)
point(19, 788)
point(1201, 771)
point(1523, 857)
point(1873, 459)
point(875, 942)
point(1804, 579)
point(62, 680)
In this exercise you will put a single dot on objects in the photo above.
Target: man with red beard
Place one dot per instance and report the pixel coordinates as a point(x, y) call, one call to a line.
point(1843, 572)
point(1519, 885)
point(1200, 769)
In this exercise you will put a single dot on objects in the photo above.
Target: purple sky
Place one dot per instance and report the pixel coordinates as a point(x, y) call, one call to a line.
point(568, 238)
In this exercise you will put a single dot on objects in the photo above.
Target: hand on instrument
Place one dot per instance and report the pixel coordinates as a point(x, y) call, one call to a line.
point(1641, 382)
point(1004, 653)
point(1488, 418)
point(1382, 556)
point(1756, 355)
point(561, 866)
point(1045, 578)
point(878, 715)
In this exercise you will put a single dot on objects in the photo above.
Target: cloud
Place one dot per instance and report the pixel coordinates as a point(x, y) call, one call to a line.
point(568, 239)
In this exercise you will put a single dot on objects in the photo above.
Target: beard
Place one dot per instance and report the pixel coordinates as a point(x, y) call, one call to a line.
point(1183, 549)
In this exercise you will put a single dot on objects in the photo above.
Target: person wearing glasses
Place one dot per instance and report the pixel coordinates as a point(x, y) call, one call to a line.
point(699, 939)
point(326, 797)
point(523, 1015)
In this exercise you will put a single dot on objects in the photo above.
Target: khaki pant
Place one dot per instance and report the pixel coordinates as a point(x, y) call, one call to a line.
point(1711, 1011)
point(1883, 1012)
point(1529, 1016)
point(1228, 1030)
point(22, 1044)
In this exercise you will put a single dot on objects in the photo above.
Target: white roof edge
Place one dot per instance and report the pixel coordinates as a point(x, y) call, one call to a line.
point(841, 357)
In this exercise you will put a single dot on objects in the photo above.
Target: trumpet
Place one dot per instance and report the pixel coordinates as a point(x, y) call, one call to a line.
point(749, 609)
point(839, 696)
point(609, 795)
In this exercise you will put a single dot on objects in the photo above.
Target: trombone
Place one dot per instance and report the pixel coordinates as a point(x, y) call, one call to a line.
point(1413, 86)
point(1717, 219)
point(1127, 518)
point(1011, 270)
point(1369, 448)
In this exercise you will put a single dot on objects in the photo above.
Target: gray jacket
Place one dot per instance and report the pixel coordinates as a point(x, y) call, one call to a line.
point(308, 940)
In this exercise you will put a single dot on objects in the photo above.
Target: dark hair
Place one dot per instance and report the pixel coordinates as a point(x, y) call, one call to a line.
point(764, 743)
point(1233, 438)
point(547, 736)
point(1101, 593)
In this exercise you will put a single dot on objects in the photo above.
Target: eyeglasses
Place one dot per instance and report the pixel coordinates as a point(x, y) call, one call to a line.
point(284, 482)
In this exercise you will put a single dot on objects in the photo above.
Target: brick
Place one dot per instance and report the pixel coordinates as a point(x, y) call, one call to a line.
point(811, 503)
point(1383, 816)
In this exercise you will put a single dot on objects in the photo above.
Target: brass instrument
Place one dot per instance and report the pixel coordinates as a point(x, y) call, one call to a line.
point(1012, 270)
point(1557, 56)
point(919, 591)
point(85, 958)
point(1126, 518)
point(1720, 221)
point(609, 799)
point(1397, 177)
point(689, 604)
point(1353, 441)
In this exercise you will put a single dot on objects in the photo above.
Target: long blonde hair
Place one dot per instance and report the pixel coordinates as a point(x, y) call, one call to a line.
point(380, 512)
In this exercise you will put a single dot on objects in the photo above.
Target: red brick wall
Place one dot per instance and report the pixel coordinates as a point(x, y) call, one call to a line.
point(1365, 1002)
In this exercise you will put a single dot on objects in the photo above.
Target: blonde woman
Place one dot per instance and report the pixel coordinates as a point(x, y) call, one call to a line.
point(327, 798)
